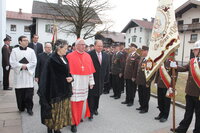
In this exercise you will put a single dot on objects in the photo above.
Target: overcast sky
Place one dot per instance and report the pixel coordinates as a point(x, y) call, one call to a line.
point(121, 13)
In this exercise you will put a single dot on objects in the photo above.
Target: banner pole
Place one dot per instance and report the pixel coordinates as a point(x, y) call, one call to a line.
point(174, 98)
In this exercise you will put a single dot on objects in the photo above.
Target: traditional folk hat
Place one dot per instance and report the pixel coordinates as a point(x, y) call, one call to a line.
point(7, 39)
point(145, 48)
point(133, 45)
point(196, 45)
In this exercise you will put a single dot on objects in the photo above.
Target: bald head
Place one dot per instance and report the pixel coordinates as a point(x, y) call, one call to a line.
point(47, 47)
point(98, 46)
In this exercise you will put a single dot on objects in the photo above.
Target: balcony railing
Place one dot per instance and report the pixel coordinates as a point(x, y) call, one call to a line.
point(188, 27)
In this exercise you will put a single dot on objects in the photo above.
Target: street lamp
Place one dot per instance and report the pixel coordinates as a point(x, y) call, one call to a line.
point(185, 27)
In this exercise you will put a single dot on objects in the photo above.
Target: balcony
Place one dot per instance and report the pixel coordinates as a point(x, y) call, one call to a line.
point(188, 27)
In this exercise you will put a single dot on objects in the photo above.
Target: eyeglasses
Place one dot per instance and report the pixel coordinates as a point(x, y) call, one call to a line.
point(25, 40)
point(81, 44)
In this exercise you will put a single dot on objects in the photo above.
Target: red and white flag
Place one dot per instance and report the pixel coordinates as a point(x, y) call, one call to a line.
point(164, 39)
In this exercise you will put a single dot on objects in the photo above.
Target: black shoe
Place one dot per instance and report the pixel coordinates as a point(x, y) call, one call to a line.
point(117, 97)
point(96, 112)
point(125, 102)
point(81, 120)
point(130, 104)
point(158, 117)
point(49, 130)
point(113, 96)
point(90, 118)
point(57, 131)
point(139, 108)
point(30, 112)
point(163, 120)
point(106, 92)
point(7, 88)
point(143, 111)
point(73, 129)
point(177, 130)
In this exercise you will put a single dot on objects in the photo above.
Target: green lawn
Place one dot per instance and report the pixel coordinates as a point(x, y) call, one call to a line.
point(180, 87)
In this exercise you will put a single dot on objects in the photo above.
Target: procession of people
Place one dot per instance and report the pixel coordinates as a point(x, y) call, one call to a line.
point(71, 82)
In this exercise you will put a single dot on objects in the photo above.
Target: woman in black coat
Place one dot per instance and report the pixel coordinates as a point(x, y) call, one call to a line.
point(55, 90)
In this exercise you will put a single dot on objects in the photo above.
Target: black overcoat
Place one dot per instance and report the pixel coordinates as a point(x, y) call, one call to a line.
point(102, 72)
point(53, 85)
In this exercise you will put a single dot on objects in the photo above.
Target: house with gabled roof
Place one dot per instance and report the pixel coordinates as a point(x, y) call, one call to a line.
point(17, 24)
point(138, 32)
point(109, 38)
point(44, 17)
point(188, 19)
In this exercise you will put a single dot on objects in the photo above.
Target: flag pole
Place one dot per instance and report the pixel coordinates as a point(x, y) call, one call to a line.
point(174, 98)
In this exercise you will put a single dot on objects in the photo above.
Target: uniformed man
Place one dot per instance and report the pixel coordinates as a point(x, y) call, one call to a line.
point(6, 50)
point(143, 86)
point(131, 86)
point(108, 84)
point(117, 70)
point(163, 82)
point(125, 54)
point(192, 92)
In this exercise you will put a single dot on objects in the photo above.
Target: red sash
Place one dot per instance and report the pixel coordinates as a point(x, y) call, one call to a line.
point(195, 71)
point(165, 76)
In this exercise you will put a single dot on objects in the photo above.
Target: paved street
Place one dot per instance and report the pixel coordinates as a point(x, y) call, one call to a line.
point(113, 118)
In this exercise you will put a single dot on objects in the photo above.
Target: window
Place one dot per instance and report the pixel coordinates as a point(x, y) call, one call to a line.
point(193, 37)
point(180, 22)
point(129, 40)
point(49, 28)
point(134, 30)
point(26, 29)
point(129, 30)
point(140, 29)
point(140, 40)
point(13, 27)
point(195, 20)
point(134, 38)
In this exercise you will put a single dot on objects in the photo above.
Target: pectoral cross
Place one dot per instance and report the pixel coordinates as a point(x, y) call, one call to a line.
point(82, 67)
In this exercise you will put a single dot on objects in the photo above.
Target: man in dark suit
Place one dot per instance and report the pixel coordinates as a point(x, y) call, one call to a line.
point(117, 70)
point(35, 45)
point(6, 50)
point(41, 60)
point(101, 63)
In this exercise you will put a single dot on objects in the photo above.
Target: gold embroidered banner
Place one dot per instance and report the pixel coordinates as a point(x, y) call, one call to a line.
point(164, 39)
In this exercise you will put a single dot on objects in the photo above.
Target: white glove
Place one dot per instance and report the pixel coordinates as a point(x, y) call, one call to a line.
point(170, 93)
point(173, 64)
point(7, 68)
point(156, 85)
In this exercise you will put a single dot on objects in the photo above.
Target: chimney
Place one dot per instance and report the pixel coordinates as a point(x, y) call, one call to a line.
point(145, 19)
point(152, 19)
point(59, 2)
point(20, 11)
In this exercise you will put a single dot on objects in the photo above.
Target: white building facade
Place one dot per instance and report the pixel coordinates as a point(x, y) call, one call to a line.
point(188, 19)
point(16, 28)
point(138, 32)
point(44, 29)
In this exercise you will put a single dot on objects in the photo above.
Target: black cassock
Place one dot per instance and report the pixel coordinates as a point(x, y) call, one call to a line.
point(53, 86)
point(100, 76)
point(41, 61)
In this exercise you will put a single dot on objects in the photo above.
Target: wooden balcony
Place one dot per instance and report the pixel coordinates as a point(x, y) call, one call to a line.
point(188, 27)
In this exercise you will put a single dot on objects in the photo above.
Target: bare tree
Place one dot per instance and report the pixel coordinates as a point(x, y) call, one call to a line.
point(80, 15)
